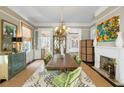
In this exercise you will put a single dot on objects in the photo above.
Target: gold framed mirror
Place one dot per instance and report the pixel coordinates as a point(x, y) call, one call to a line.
point(9, 31)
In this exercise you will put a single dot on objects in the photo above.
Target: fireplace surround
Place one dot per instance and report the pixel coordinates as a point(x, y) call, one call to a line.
point(116, 54)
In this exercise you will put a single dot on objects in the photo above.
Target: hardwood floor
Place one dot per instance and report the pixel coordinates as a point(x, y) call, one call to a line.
point(20, 78)
point(98, 80)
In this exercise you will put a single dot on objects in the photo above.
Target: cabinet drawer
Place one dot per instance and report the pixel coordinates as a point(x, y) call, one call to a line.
point(83, 50)
point(89, 58)
point(90, 51)
point(89, 43)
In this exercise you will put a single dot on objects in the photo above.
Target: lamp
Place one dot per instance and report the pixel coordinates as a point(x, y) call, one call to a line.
point(61, 30)
point(17, 39)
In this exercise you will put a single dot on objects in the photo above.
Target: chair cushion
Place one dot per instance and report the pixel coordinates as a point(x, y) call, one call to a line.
point(66, 80)
point(47, 59)
point(59, 81)
point(78, 59)
point(72, 76)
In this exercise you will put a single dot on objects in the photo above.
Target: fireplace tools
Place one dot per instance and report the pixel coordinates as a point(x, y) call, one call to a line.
point(111, 71)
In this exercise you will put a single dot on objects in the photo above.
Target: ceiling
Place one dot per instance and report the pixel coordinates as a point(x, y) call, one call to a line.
point(38, 15)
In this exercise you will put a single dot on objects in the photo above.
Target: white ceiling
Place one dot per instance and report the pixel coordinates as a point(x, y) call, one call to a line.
point(51, 14)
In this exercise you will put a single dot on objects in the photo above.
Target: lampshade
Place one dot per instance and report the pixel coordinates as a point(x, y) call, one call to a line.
point(17, 39)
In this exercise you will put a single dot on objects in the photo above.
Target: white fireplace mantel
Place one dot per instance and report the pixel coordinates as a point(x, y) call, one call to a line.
point(112, 52)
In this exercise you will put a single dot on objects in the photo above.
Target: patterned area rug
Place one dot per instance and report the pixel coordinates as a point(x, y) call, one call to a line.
point(43, 78)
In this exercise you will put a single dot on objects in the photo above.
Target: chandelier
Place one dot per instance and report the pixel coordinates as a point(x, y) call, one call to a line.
point(61, 30)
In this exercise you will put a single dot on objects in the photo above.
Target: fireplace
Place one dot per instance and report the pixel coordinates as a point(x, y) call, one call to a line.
point(107, 65)
point(114, 53)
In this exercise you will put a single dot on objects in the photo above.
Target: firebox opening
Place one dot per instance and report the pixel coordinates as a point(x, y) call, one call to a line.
point(108, 66)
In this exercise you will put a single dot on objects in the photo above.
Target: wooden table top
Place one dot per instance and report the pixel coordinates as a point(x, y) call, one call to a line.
point(67, 63)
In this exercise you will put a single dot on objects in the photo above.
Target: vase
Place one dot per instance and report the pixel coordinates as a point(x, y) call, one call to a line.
point(119, 41)
point(94, 42)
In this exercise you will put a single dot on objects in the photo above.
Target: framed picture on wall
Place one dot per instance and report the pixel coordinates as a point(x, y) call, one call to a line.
point(74, 41)
point(9, 31)
point(107, 30)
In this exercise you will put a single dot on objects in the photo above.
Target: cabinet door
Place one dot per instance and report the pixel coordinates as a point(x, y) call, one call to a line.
point(16, 63)
point(10, 74)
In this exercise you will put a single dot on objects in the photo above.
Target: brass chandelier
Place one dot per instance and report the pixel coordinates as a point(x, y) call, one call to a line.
point(61, 30)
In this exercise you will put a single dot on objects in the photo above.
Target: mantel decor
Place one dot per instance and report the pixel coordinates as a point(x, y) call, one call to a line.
point(119, 41)
point(9, 31)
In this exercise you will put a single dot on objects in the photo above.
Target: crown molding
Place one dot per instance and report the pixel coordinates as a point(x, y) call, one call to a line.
point(22, 17)
point(67, 24)
point(93, 23)
point(9, 15)
point(15, 18)
point(100, 10)
point(110, 12)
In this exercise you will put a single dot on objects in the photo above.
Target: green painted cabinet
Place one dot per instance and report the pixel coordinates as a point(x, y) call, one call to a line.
point(11, 64)
point(17, 62)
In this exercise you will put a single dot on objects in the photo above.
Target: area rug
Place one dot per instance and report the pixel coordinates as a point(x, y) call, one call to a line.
point(43, 78)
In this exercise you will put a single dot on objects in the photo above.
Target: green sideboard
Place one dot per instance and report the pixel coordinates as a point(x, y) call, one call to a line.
point(12, 64)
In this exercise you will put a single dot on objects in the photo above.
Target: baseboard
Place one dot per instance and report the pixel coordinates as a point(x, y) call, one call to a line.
point(32, 61)
point(89, 63)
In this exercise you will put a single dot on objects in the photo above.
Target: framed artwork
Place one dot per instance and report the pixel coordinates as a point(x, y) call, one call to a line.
point(74, 43)
point(107, 31)
point(9, 31)
point(26, 32)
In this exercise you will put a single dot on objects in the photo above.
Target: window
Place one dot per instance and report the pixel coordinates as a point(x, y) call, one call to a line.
point(27, 38)
point(45, 42)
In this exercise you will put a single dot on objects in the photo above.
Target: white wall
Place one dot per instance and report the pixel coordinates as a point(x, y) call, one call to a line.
point(85, 33)
point(93, 32)
point(29, 56)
